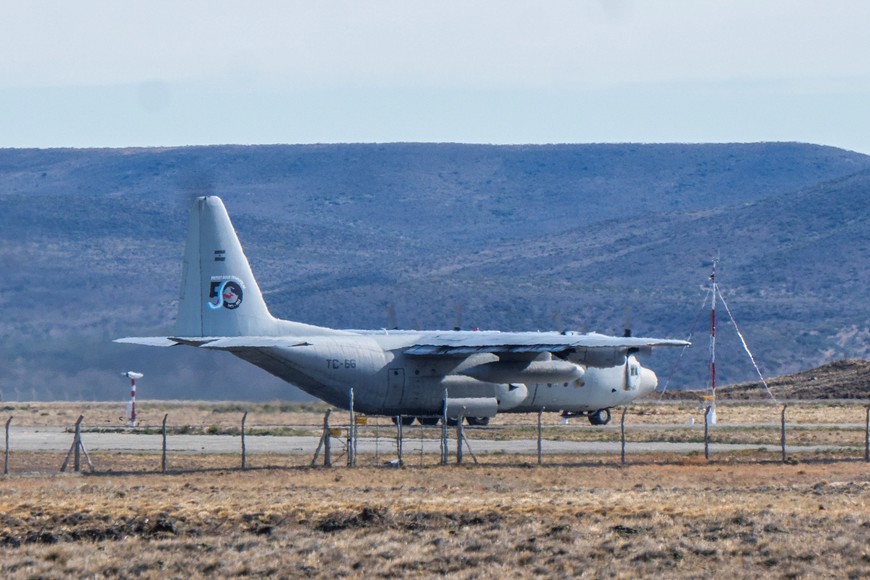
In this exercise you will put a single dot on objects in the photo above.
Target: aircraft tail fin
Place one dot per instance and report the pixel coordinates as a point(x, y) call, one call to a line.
point(219, 294)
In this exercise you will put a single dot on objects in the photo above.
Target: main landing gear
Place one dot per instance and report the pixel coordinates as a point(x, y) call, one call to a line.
point(472, 421)
point(432, 421)
point(599, 417)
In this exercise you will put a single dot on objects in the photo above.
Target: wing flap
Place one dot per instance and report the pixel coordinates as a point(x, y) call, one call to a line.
point(447, 350)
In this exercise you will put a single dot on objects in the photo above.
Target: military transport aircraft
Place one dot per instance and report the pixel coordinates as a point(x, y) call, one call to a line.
point(398, 373)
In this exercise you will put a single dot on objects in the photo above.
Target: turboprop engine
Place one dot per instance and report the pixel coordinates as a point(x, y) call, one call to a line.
point(538, 371)
point(477, 398)
point(512, 395)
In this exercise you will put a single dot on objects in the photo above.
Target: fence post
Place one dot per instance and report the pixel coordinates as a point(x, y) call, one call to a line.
point(707, 433)
point(377, 441)
point(866, 434)
point(399, 439)
point(324, 443)
point(6, 454)
point(444, 451)
point(163, 456)
point(351, 460)
point(75, 450)
point(782, 432)
point(420, 431)
point(327, 444)
point(622, 431)
point(459, 436)
point(244, 451)
point(77, 456)
point(540, 437)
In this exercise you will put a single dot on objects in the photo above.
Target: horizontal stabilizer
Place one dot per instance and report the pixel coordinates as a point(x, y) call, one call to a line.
point(147, 340)
point(217, 342)
point(256, 342)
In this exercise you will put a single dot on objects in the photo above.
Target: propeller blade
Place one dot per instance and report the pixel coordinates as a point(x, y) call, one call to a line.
point(626, 327)
point(392, 322)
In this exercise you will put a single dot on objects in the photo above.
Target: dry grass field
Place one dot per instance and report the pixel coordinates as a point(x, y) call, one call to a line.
point(666, 517)
point(741, 515)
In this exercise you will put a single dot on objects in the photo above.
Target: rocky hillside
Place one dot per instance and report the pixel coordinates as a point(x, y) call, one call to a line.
point(841, 379)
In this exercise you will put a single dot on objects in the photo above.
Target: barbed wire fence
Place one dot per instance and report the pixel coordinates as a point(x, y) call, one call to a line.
point(390, 441)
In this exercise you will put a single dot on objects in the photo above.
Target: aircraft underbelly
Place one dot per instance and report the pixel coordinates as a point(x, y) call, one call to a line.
point(278, 367)
point(328, 370)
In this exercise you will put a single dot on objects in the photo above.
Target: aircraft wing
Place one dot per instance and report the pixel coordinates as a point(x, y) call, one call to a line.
point(466, 343)
point(451, 343)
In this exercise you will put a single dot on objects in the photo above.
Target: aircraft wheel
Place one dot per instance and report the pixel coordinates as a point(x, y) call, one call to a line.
point(428, 421)
point(481, 421)
point(406, 420)
point(452, 422)
point(599, 417)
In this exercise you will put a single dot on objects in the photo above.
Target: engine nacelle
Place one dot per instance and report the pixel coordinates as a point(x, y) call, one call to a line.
point(503, 396)
point(512, 395)
point(471, 407)
point(539, 371)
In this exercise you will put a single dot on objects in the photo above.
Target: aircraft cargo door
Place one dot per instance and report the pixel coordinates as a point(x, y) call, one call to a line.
point(395, 384)
point(632, 373)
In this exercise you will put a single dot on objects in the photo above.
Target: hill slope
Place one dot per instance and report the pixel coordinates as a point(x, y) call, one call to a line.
point(840, 380)
point(91, 242)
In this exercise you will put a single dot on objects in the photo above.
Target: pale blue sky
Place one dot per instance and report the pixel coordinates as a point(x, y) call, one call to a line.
point(148, 73)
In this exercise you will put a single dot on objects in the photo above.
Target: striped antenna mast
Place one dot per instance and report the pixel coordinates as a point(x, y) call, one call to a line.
point(715, 292)
point(131, 404)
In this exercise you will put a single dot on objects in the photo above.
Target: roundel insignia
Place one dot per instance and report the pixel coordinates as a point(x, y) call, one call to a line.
point(231, 295)
point(225, 293)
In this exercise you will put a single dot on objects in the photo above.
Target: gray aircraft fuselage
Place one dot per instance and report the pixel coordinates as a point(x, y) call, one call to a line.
point(388, 382)
point(395, 372)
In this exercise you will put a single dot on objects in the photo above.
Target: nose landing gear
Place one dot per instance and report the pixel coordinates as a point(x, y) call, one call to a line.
point(599, 417)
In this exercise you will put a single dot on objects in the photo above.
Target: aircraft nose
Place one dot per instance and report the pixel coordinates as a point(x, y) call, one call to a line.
point(648, 380)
